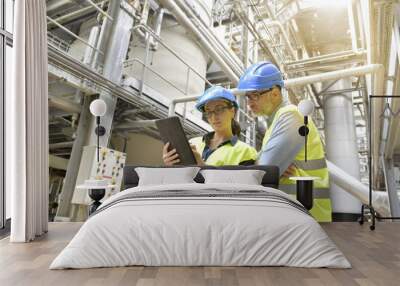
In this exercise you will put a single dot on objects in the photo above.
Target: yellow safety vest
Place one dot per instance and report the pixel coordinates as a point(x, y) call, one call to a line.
point(314, 167)
point(227, 154)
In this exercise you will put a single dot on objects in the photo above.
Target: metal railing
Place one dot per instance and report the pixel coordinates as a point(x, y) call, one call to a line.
point(57, 42)
point(149, 32)
point(73, 34)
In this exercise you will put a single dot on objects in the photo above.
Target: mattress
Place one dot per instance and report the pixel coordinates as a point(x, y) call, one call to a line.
point(200, 225)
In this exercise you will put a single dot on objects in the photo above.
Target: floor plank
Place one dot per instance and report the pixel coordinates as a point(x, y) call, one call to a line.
point(374, 255)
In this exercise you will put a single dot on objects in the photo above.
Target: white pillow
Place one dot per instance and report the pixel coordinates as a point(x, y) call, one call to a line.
point(248, 177)
point(166, 176)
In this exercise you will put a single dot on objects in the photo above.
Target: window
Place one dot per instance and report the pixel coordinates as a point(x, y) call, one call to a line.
point(7, 89)
point(9, 15)
point(6, 29)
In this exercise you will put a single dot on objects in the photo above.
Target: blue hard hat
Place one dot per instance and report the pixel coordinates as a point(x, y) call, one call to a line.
point(259, 76)
point(215, 93)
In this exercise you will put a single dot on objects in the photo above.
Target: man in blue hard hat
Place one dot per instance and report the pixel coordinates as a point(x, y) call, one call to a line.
point(282, 145)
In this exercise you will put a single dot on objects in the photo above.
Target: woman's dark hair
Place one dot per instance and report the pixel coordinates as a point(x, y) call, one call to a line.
point(235, 127)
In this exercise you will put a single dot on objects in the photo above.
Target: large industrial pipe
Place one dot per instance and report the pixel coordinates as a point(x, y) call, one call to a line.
point(358, 189)
point(328, 57)
point(183, 19)
point(222, 49)
point(357, 71)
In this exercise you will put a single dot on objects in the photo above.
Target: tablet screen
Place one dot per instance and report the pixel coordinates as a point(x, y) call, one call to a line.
point(171, 131)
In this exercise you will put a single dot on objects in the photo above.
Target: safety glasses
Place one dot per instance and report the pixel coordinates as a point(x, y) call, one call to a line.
point(256, 95)
point(217, 111)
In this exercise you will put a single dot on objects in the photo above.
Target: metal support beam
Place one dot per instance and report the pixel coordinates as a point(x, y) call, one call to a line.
point(136, 124)
point(63, 210)
point(99, 9)
point(116, 53)
point(105, 34)
point(117, 43)
point(56, 162)
point(61, 145)
point(65, 105)
point(388, 170)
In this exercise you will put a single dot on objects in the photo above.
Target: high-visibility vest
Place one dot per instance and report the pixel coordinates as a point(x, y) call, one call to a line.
point(314, 167)
point(227, 154)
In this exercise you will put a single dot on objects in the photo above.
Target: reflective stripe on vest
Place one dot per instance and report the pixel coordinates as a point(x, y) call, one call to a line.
point(311, 164)
point(227, 154)
point(318, 193)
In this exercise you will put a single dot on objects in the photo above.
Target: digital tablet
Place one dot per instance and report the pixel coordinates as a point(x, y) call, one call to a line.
point(171, 131)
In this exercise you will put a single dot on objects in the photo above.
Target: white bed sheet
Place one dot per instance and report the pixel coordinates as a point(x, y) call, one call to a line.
point(200, 231)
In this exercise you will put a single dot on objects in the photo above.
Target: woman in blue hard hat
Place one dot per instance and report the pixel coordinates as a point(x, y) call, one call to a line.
point(222, 146)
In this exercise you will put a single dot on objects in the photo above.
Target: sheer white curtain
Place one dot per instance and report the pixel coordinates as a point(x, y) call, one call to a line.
point(27, 124)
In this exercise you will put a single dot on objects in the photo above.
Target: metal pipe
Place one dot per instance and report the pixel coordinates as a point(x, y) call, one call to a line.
point(377, 106)
point(185, 21)
point(64, 105)
point(56, 4)
point(360, 24)
point(172, 105)
point(72, 34)
point(328, 57)
point(272, 16)
point(99, 9)
point(260, 40)
point(231, 59)
point(157, 27)
point(67, 17)
point(366, 69)
point(61, 145)
point(105, 32)
point(353, 33)
point(285, 37)
point(341, 144)
point(354, 187)
point(393, 133)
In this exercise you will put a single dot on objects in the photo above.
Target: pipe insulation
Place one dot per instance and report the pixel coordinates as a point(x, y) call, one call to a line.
point(354, 187)
point(208, 32)
point(357, 71)
point(185, 21)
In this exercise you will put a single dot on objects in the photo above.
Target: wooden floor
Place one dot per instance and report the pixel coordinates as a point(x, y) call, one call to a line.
point(375, 257)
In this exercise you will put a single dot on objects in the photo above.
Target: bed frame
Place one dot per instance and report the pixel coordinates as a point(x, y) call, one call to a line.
point(270, 179)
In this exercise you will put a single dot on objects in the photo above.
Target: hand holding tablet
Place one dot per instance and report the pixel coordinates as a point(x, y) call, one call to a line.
point(177, 149)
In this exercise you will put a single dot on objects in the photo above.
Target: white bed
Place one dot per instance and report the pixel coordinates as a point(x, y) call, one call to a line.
point(250, 225)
